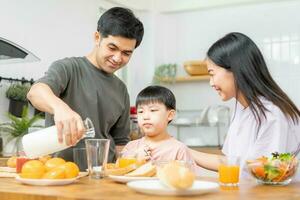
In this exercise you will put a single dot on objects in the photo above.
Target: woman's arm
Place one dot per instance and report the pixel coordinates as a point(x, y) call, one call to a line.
point(207, 160)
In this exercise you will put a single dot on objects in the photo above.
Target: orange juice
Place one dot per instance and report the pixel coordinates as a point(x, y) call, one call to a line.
point(229, 174)
point(125, 161)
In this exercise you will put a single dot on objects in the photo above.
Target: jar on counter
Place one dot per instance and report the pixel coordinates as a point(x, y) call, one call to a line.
point(135, 132)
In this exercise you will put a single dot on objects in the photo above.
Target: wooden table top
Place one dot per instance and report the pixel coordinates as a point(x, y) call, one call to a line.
point(86, 188)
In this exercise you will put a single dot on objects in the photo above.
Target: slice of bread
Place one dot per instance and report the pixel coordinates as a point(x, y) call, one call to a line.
point(110, 170)
point(146, 170)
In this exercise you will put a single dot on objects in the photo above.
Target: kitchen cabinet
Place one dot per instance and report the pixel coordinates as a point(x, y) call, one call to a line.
point(181, 79)
point(213, 117)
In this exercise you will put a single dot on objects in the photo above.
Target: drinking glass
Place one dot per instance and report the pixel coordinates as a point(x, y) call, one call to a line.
point(79, 157)
point(97, 154)
point(229, 171)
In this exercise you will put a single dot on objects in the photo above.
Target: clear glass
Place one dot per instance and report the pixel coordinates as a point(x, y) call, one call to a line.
point(80, 158)
point(97, 155)
point(127, 159)
point(229, 171)
point(45, 141)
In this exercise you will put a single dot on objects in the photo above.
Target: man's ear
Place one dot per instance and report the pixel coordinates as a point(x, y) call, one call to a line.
point(97, 38)
point(171, 115)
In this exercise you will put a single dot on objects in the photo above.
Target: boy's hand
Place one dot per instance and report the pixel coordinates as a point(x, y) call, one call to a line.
point(144, 153)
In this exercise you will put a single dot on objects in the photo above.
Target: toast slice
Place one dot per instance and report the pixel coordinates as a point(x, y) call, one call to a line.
point(146, 170)
point(111, 170)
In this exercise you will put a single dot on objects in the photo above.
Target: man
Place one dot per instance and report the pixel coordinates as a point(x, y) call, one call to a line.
point(80, 87)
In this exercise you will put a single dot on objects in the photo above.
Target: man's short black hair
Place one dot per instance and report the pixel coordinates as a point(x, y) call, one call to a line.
point(156, 94)
point(122, 22)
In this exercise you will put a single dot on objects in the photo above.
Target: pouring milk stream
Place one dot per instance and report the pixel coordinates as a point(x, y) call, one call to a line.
point(45, 141)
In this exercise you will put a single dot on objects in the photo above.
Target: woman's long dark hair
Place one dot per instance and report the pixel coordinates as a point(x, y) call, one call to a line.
point(239, 54)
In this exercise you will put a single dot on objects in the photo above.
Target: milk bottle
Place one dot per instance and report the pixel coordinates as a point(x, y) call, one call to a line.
point(45, 141)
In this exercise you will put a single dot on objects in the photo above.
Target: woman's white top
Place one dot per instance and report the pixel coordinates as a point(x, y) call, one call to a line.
point(245, 141)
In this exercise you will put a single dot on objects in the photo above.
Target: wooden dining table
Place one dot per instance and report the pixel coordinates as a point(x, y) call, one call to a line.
point(87, 188)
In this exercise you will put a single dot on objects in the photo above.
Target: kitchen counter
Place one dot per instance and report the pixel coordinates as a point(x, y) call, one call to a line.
point(86, 188)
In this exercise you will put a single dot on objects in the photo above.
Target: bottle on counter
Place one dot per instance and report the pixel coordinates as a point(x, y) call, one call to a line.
point(45, 141)
point(135, 132)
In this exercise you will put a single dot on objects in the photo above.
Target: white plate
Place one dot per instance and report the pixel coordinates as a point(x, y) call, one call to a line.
point(44, 182)
point(126, 179)
point(7, 169)
point(155, 187)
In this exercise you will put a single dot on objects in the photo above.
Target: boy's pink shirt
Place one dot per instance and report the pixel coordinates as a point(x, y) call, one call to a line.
point(169, 149)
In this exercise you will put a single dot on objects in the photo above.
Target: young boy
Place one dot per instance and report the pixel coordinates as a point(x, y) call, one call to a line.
point(156, 107)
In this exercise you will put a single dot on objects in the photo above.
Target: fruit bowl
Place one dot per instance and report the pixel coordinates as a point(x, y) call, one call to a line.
point(277, 169)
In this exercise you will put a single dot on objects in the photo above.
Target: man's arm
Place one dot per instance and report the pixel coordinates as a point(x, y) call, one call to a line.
point(206, 160)
point(67, 121)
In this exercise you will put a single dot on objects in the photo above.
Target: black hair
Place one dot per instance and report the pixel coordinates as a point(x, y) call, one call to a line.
point(154, 94)
point(237, 53)
point(122, 22)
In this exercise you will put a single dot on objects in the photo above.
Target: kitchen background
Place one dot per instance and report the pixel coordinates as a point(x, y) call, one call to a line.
point(175, 31)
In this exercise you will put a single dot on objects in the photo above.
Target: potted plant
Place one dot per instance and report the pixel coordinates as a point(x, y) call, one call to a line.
point(12, 131)
point(16, 93)
point(165, 73)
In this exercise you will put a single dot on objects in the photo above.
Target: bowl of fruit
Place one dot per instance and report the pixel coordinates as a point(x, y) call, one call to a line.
point(277, 169)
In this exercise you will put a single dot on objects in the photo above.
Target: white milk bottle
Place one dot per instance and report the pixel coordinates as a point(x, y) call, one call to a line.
point(45, 141)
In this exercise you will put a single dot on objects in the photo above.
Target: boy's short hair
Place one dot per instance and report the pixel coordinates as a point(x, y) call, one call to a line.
point(156, 94)
point(122, 22)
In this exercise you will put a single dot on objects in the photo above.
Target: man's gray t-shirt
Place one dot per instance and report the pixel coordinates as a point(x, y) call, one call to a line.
point(91, 93)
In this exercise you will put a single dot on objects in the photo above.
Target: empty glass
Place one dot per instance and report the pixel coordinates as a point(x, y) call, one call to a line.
point(79, 157)
point(97, 154)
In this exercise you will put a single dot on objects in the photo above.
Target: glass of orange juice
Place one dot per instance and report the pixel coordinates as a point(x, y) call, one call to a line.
point(126, 159)
point(229, 172)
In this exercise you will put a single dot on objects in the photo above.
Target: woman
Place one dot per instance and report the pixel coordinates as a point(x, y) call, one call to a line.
point(265, 120)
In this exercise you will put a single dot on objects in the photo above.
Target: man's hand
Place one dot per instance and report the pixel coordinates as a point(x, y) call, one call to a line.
point(69, 125)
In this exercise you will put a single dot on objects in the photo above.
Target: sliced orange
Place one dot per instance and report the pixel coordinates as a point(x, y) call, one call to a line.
point(71, 169)
point(53, 163)
point(56, 173)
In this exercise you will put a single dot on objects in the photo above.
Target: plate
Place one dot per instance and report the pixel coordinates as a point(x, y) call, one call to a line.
point(7, 169)
point(126, 179)
point(155, 187)
point(44, 182)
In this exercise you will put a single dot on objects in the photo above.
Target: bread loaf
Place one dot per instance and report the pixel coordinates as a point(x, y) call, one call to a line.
point(176, 176)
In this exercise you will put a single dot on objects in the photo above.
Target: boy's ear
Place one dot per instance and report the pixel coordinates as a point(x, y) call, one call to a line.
point(171, 115)
point(97, 38)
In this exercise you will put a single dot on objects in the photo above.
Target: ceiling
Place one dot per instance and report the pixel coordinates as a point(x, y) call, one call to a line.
point(176, 5)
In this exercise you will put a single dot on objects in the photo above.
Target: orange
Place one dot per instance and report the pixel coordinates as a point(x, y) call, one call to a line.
point(71, 169)
point(53, 163)
point(44, 159)
point(33, 169)
point(31, 175)
point(12, 162)
point(56, 173)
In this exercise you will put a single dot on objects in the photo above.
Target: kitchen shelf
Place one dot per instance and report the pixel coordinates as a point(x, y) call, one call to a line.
point(186, 79)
